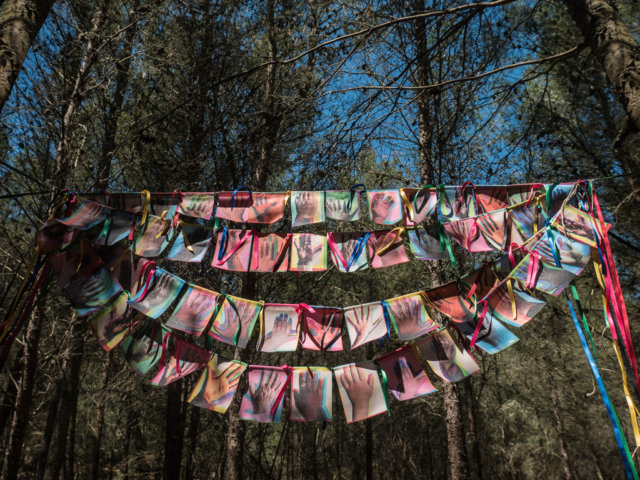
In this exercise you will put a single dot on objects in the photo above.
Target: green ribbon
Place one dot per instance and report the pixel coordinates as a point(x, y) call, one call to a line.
point(444, 242)
point(584, 320)
point(107, 224)
point(415, 198)
point(218, 309)
point(548, 195)
point(385, 386)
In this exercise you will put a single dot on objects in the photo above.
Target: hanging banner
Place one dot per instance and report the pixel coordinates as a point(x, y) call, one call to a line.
point(194, 311)
point(263, 395)
point(409, 316)
point(217, 384)
point(198, 205)
point(311, 395)
point(360, 390)
point(233, 250)
point(416, 210)
point(191, 244)
point(425, 243)
point(447, 360)
point(272, 252)
point(91, 293)
point(54, 236)
point(143, 349)
point(309, 253)
point(281, 328)
point(348, 250)
point(386, 248)
point(112, 324)
point(185, 359)
point(75, 263)
point(88, 214)
point(321, 329)
point(405, 376)
point(365, 323)
point(163, 289)
point(342, 205)
point(385, 206)
point(235, 321)
point(307, 208)
point(155, 237)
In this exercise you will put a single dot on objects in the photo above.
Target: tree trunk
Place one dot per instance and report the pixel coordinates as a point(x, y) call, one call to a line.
point(20, 422)
point(20, 21)
point(174, 433)
point(100, 409)
point(616, 49)
point(70, 457)
point(68, 396)
point(9, 402)
point(48, 429)
point(563, 443)
point(455, 433)
point(476, 463)
point(192, 438)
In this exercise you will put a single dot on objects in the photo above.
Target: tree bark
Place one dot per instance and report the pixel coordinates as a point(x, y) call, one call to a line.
point(455, 433)
point(20, 22)
point(192, 438)
point(476, 462)
point(566, 464)
point(48, 429)
point(9, 402)
point(616, 49)
point(68, 396)
point(70, 457)
point(174, 433)
point(100, 410)
point(20, 422)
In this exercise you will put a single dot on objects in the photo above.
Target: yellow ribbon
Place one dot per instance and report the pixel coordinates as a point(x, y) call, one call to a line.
point(536, 211)
point(407, 203)
point(397, 232)
point(287, 196)
point(414, 347)
point(145, 208)
point(633, 410)
point(512, 297)
point(120, 259)
point(166, 227)
point(81, 255)
point(55, 208)
point(262, 326)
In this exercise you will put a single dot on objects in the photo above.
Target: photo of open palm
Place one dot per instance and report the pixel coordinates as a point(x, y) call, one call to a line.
point(365, 323)
point(405, 376)
point(88, 215)
point(272, 253)
point(493, 228)
point(410, 317)
point(266, 208)
point(360, 390)
point(309, 400)
point(92, 293)
point(339, 206)
point(322, 329)
point(198, 205)
point(220, 388)
point(164, 289)
point(425, 243)
point(226, 325)
point(307, 208)
point(309, 253)
point(264, 387)
point(281, 329)
point(194, 311)
point(385, 206)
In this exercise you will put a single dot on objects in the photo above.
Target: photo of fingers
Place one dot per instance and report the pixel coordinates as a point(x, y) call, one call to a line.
point(409, 316)
point(348, 250)
point(405, 376)
point(93, 292)
point(281, 328)
point(191, 244)
point(450, 362)
point(235, 321)
point(391, 255)
point(155, 237)
point(321, 329)
point(271, 253)
point(385, 206)
point(217, 384)
point(142, 350)
point(113, 322)
point(194, 310)
point(185, 359)
point(360, 390)
point(163, 289)
point(419, 204)
point(263, 400)
point(309, 253)
point(342, 205)
point(307, 208)
point(86, 216)
point(311, 392)
point(233, 250)
point(365, 323)
point(197, 205)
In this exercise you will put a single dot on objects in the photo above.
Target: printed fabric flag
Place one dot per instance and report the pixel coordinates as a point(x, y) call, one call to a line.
point(161, 202)
point(522, 220)
point(88, 214)
point(93, 197)
point(113, 323)
point(195, 236)
point(449, 301)
point(493, 336)
point(405, 376)
point(148, 244)
point(185, 359)
point(409, 316)
point(217, 384)
point(416, 211)
point(578, 224)
point(246, 207)
point(93, 292)
point(482, 281)
point(365, 323)
point(311, 394)
point(110, 255)
point(75, 263)
point(198, 205)
point(493, 227)
point(500, 307)
point(233, 207)
point(490, 198)
point(235, 246)
point(573, 255)
point(385, 206)
point(309, 253)
point(272, 252)
point(235, 320)
point(128, 202)
point(559, 194)
point(163, 289)
point(54, 236)
point(360, 390)
point(194, 310)
point(143, 349)
point(263, 400)
point(548, 279)
point(129, 271)
point(118, 226)
point(523, 192)
point(321, 329)
point(342, 205)
point(454, 205)
point(467, 233)
point(281, 328)
point(393, 256)
point(307, 208)
point(348, 250)
point(425, 243)
point(446, 358)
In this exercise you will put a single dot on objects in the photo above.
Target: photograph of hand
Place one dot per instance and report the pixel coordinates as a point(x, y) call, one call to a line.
point(265, 384)
point(579, 226)
point(451, 201)
point(267, 208)
point(493, 227)
point(198, 205)
point(395, 255)
point(241, 203)
point(147, 245)
point(493, 197)
point(199, 238)
point(360, 390)
point(92, 293)
point(239, 261)
point(192, 358)
point(109, 325)
point(346, 243)
point(448, 300)
point(338, 206)
point(425, 243)
point(321, 330)
point(161, 202)
point(54, 236)
point(86, 216)
point(311, 395)
point(271, 249)
point(405, 376)
point(218, 384)
point(226, 324)
point(365, 323)
point(164, 289)
point(574, 256)
point(468, 237)
point(281, 329)
point(409, 316)
point(194, 310)
point(500, 307)
point(136, 349)
point(65, 265)
point(493, 337)
point(427, 201)
point(309, 253)
point(385, 206)
point(550, 279)
point(307, 208)
point(445, 358)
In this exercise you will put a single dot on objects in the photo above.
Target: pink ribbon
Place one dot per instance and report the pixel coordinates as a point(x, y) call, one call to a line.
point(249, 234)
point(473, 189)
point(152, 267)
point(480, 320)
point(474, 287)
point(533, 187)
point(302, 306)
point(512, 260)
point(532, 271)
point(472, 233)
point(177, 350)
point(274, 408)
point(336, 251)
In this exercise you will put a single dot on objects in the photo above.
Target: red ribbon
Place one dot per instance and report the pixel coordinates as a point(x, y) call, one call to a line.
point(473, 189)
point(472, 233)
point(249, 234)
point(175, 353)
point(336, 251)
point(522, 248)
point(148, 266)
point(274, 408)
point(532, 271)
point(480, 320)
point(533, 187)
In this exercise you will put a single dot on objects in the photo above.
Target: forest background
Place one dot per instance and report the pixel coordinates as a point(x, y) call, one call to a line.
point(208, 95)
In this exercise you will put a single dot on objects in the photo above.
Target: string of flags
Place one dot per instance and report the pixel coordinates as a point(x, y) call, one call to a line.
point(544, 234)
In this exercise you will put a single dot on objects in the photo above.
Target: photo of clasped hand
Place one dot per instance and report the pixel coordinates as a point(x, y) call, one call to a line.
point(264, 393)
point(358, 383)
point(410, 384)
point(308, 396)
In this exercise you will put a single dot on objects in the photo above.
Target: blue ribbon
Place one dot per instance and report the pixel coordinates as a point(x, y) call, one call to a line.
point(223, 243)
point(358, 249)
point(385, 309)
point(351, 191)
point(233, 197)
